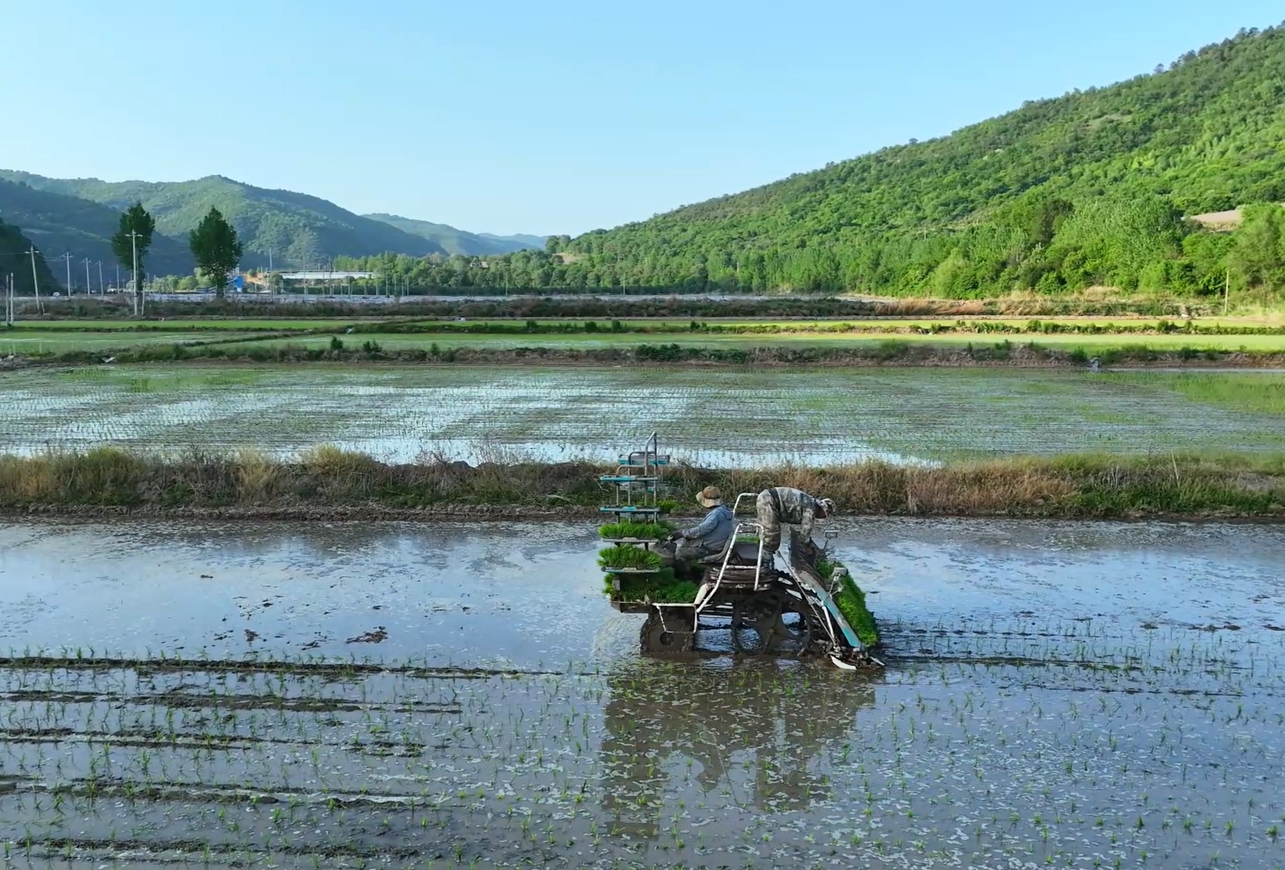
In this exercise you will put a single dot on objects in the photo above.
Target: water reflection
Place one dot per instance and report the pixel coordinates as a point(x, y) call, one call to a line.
point(754, 736)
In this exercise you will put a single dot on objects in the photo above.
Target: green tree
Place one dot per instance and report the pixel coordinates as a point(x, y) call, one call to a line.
point(216, 248)
point(134, 220)
point(1258, 256)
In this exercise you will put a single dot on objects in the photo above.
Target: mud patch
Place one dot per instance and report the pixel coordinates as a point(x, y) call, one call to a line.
point(376, 635)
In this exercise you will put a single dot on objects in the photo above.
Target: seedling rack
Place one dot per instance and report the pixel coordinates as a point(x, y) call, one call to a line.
point(636, 485)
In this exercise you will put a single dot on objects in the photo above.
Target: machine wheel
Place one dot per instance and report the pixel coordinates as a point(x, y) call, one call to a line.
point(771, 623)
point(754, 623)
point(655, 638)
point(792, 632)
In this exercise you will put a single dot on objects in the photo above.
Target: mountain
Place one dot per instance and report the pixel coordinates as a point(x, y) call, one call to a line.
point(294, 228)
point(1085, 189)
point(527, 242)
point(455, 241)
point(15, 261)
point(58, 224)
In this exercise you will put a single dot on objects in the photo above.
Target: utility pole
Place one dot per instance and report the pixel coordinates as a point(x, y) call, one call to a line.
point(35, 280)
point(101, 292)
point(117, 284)
point(1226, 290)
point(133, 238)
point(67, 257)
point(89, 288)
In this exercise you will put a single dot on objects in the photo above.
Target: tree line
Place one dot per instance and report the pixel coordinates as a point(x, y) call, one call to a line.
point(1049, 246)
point(214, 245)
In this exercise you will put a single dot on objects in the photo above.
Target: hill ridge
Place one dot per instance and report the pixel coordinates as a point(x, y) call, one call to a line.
point(1061, 193)
point(285, 227)
point(57, 223)
point(457, 241)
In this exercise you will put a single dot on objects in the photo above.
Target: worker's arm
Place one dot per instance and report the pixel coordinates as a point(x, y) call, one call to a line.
point(809, 517)
point(705, 526)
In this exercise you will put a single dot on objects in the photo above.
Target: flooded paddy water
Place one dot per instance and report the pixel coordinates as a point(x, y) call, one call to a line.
point(402, 695)
point(718, 416)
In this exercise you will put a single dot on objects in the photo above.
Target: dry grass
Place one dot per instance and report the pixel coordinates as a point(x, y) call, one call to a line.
point(258, 478)
point(327, 477)
point(969, 489)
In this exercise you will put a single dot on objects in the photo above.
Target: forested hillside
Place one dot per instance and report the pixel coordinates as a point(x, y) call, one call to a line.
point(59, 224)
point(454, 241)
point(15, 261)
point(299, 230)
point(1087, 189)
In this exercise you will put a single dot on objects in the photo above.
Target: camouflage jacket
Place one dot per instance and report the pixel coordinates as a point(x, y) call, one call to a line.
point(795, 507)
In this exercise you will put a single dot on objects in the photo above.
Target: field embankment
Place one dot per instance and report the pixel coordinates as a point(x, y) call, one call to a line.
point(886, 350)
point(330, 483)
point(786, 340)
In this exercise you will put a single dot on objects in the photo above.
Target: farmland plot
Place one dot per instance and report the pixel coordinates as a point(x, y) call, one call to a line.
point(404, 696)
point(726, 417)
point(32, 341)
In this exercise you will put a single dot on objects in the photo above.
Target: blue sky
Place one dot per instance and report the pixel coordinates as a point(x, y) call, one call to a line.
point(545, 117)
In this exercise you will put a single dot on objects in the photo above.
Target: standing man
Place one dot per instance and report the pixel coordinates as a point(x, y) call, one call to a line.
point(706, 538)
point(784, 504)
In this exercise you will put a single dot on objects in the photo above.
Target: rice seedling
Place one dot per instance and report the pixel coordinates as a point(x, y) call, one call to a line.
point(850, 599)
point(637, 531)
point(624, 556)
point(983, 716)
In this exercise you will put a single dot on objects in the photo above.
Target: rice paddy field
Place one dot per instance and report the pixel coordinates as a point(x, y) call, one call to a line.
point(719, 416)
point(458, 696)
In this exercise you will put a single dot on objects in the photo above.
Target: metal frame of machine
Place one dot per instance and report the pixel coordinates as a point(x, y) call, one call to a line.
point(772, 604)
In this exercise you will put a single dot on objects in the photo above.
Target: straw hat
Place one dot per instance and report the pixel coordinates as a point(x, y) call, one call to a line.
point(710, 496)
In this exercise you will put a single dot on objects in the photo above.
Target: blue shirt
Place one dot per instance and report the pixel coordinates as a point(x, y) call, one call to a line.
point(717, 526)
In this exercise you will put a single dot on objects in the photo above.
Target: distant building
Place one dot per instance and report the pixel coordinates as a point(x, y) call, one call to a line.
point(323, 275)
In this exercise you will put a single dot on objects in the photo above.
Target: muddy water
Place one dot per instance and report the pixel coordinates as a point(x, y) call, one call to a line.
point(1068, 694)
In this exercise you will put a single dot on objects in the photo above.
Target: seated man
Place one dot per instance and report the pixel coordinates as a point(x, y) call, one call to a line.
point(784, 504)
point(704, 539)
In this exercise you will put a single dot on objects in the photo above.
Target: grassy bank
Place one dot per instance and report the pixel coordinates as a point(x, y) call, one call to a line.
point(894, 351)
point(326, 479)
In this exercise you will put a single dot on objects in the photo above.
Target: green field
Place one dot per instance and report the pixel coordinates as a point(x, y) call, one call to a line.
point(45, 337)
point(31, 341)
point(189, 323)
point(874, 323)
